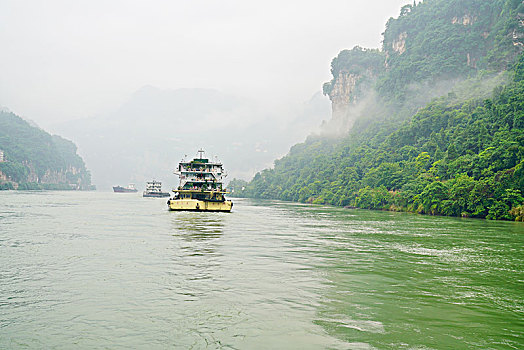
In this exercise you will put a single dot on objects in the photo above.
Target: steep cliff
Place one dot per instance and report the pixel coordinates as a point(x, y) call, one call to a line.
point(437, 119)
point(354, 73)
point(434, 41)
point(343, 95)
point(33, 159)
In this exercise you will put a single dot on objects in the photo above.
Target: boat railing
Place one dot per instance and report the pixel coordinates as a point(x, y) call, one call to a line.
point(191, 170)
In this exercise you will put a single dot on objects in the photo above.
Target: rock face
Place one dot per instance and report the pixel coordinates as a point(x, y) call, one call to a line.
point(354, 73)
point(342, 95)
point(71, 176)
point(465, 20)
point(345, 97)
point(428, 42)
point(399, 45)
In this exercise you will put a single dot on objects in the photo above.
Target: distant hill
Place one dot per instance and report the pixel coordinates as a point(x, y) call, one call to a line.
point(147, 136)
point(431, 123)
point(33, 159)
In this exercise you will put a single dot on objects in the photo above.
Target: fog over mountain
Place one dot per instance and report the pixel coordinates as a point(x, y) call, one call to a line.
point(74, 59)
point(147, 136)
point(136, 85)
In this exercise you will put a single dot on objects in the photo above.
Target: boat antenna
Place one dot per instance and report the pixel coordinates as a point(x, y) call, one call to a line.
point(201, 151)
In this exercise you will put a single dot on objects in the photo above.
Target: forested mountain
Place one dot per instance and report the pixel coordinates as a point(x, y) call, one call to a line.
point(431, 123)
point(34, 159)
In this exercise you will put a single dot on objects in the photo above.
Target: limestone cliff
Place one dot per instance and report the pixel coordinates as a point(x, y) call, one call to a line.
point(74, 177)
point(354, 73)
point(342, 95)
point(465, 20)
point(430, 42)
point(399, 45)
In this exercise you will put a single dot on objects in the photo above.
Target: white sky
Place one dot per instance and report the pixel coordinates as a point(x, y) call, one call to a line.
point(64, 59)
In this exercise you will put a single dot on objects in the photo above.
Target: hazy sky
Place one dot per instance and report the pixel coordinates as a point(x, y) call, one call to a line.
point(67, 59)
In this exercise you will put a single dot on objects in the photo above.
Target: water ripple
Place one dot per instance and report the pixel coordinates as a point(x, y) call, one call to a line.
point(101, 270)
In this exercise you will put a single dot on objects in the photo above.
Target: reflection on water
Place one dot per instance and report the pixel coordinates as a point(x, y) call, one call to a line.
point(199, 232)
point(197, 245)
point(198, 225)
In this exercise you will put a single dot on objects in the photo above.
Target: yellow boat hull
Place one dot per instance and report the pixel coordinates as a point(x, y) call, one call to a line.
point(197, 205)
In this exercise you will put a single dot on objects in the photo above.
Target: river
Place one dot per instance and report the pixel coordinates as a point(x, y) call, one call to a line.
point(94, 270)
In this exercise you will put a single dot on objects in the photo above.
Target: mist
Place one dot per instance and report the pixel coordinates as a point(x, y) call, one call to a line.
point(70, 60)
point(371, 107)
point(147, 136)
point(234, 77)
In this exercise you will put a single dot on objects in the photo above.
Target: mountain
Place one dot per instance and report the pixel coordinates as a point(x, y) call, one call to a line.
point(431, 123)
point(149, 134)
point(30, 158)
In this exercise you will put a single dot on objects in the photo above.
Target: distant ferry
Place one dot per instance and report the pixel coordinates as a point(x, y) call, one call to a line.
point(200, 186)
point(129, 189)
point(154, 189)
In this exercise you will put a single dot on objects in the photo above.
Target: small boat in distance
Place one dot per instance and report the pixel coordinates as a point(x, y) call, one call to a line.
point(200, 186)
point(129, 189)
point(154, 189)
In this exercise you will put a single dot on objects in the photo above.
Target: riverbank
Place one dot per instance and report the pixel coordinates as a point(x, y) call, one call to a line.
point(513, 214)
point(10, 186)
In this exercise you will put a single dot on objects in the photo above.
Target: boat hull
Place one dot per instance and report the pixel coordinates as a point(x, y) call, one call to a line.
point(156, 195)
point(120, 189)
point(198, 205)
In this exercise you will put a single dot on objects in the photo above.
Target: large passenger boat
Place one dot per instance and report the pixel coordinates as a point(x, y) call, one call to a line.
point(154, 189)
point(201, 187)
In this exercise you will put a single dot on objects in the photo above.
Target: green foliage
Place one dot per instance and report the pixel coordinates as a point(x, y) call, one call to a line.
point(57, 187)
point(518, 213)
point(357, 61)
point(14, 170)
point(447, 39)
point(437, 40)
point(431, 199)
point(32, 153)
point(29, 186)
point(452, 158)
point(236, 187)
point(6, 186)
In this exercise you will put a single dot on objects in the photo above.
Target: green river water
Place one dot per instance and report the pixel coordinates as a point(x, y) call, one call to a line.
point(95, 270)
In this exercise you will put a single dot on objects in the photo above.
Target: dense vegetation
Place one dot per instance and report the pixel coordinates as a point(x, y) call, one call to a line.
point(367, 63)
point(449, 39)
point(37, 160)
point(456, 156)
point(435, 40)
point(464, 159)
